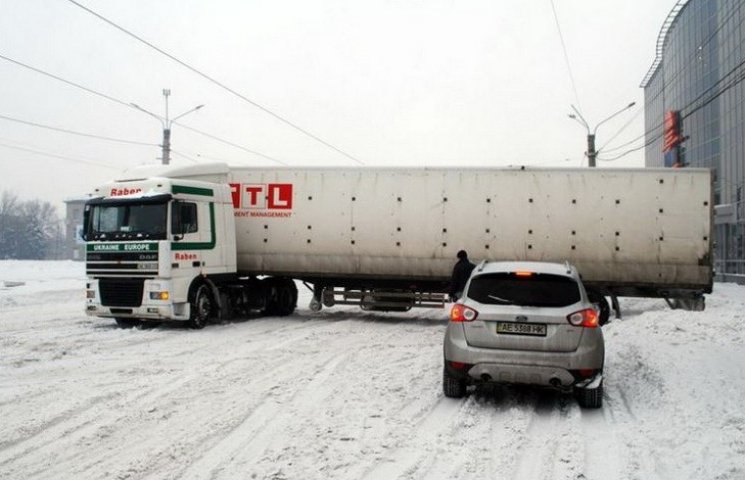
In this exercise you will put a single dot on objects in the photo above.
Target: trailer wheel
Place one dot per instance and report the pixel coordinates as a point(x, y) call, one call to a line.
point(287, 297)
point(281, 297)
point(127, 322)
point(201, 307)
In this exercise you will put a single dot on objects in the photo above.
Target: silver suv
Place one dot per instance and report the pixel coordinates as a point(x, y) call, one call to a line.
point(527, 323)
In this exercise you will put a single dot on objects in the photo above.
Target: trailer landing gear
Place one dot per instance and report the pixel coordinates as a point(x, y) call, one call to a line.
point(315, 303)
point(695, 303)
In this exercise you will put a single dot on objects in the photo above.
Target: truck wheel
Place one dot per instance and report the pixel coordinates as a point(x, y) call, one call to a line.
point(453, 387)
point(127, 322)
point(286, 297)
point(201, 307)
point(590, 397)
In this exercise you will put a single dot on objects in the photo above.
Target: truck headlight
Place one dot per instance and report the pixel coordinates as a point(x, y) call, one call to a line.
point(159, 295)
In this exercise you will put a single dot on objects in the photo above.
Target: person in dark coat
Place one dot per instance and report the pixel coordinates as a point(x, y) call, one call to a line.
point(461, 272)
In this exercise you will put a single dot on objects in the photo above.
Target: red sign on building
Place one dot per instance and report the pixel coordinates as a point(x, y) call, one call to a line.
point(672, 138)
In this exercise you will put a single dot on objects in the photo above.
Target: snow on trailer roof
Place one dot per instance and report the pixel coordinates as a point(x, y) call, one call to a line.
point(207, 170)
point(148, 171)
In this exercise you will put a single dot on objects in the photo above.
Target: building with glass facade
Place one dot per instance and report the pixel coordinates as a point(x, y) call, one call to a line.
point(694, 97)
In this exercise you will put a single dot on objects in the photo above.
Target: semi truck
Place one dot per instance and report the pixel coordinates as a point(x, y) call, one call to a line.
point(205, 242)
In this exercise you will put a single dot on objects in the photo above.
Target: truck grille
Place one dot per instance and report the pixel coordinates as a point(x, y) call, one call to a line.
point(122, 260)
point(121, 292)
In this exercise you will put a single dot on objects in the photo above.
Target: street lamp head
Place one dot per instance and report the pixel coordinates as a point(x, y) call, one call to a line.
point(157, 117)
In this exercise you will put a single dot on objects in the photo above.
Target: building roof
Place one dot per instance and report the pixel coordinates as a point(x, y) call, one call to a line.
point(662, 38)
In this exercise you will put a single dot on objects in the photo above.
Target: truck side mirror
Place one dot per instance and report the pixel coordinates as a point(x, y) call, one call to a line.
point(86, 225)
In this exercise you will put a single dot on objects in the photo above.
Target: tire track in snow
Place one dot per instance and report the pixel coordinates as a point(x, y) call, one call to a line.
point(191, 388)
point(404, 461)
point(467, 450)
point(542, 452)
point(601, 444)
point(341, 448)
point(114, 410)
point(249, 438)
point(214, 421)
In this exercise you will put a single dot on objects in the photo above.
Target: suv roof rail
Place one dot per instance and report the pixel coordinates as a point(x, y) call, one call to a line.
point(481, 266)
point(568, 266)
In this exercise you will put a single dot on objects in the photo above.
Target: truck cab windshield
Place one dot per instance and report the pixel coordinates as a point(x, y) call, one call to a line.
point(128, 221)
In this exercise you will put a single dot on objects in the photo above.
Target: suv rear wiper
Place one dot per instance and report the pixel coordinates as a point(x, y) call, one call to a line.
point(501, 300)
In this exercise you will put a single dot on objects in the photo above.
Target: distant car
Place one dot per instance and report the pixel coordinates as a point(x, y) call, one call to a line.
point(525, 323)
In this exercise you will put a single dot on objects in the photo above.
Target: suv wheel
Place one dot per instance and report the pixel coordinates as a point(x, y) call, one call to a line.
point(453, 387)
point(590, 397)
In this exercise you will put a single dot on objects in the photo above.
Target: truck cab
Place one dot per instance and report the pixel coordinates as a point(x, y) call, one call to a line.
point(153, 244)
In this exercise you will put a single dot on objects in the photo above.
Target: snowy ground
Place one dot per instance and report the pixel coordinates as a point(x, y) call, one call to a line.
point(349, 395)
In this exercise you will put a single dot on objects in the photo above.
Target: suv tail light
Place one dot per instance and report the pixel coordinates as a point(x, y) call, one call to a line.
point(460, 366)
point(461, 313)
point(584, 318)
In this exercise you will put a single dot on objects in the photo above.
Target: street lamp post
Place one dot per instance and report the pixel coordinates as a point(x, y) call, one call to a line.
point(591, 152)
point(166, 123)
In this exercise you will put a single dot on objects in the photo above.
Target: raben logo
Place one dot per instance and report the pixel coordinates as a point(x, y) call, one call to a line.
point(262, 196)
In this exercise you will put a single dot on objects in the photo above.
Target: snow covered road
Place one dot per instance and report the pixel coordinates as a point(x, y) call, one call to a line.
point(345, 394)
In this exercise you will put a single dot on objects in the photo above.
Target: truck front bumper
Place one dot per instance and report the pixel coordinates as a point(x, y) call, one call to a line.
point(150, 304)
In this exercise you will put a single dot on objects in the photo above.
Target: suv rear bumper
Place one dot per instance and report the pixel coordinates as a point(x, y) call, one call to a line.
point(550, 369)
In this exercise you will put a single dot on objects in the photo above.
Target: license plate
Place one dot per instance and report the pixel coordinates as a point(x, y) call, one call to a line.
point(515, 328)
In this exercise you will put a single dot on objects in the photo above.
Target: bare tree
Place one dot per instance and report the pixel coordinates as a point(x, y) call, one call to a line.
point(28, 229)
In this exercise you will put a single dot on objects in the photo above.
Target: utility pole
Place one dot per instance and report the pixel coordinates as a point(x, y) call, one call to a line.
point(166, 132)
point(166, 123)
point(592, 154)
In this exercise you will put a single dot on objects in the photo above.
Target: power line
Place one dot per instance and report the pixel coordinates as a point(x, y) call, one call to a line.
point(219, 84)
point(690, 60)
point(676, 74)
point(54, 155)
point(620, 130)
point(687, 114)
point(182, 155)
point(226, 142)
point(72, 132)
point(129, 105)
point(68, 82)
point(566, 55)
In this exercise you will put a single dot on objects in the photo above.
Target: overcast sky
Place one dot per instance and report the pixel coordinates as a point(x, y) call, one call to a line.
point(388, 82)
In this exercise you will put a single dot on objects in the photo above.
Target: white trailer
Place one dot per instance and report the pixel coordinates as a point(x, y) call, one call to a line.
point(232, 239)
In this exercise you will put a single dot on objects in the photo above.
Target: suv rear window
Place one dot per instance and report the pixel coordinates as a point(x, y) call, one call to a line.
point(536, 290)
